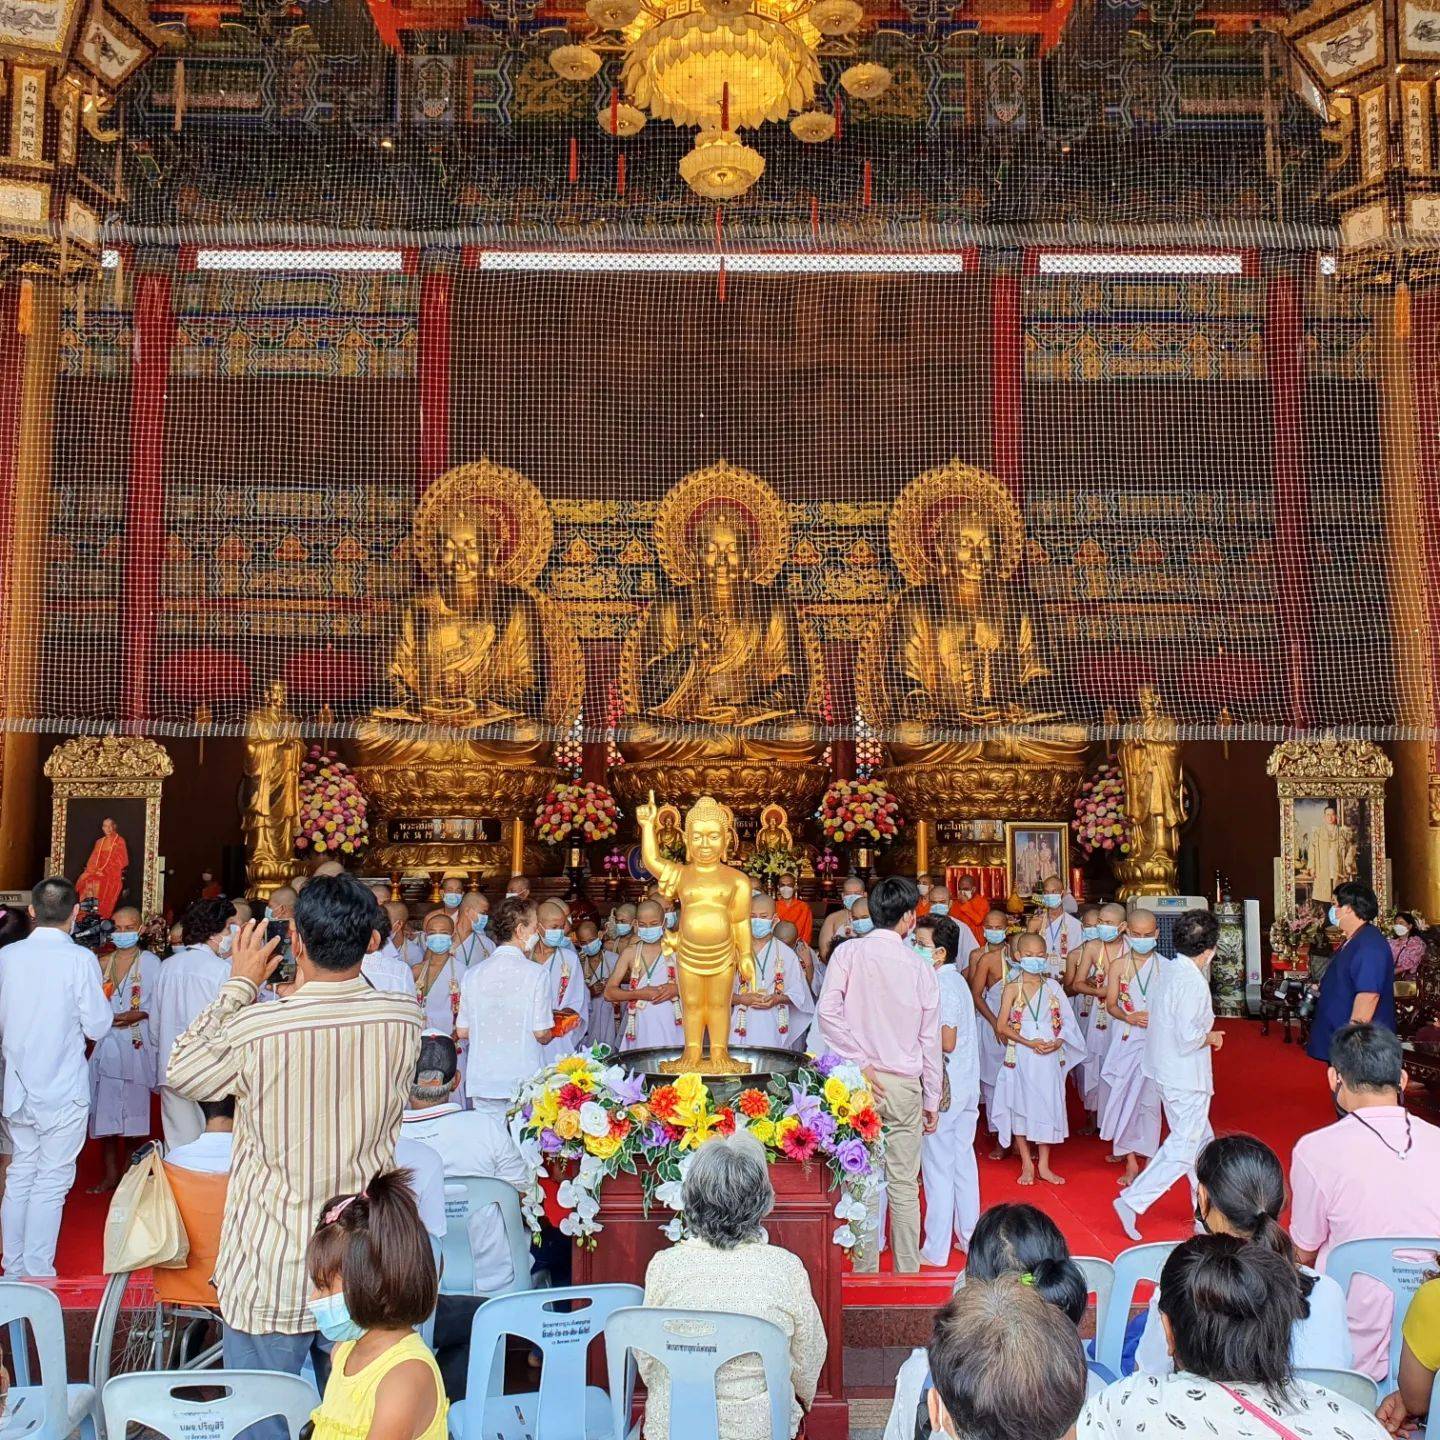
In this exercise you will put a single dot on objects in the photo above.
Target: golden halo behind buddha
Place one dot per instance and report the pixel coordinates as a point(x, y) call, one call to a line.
point(510, 507)
point(721, 486)
point(926, 501)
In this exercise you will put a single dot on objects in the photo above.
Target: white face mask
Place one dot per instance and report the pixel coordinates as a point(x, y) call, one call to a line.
point(530, 942)
point(787, 891)
point(227, 943)
point(1401, 931)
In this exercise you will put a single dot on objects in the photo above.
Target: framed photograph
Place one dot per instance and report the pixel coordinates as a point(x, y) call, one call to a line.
point(105, 823)
point(1035, 849)
point(1332, 819)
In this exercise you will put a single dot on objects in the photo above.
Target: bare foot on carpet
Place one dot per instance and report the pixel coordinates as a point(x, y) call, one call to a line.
point(1114, 1159)
point(1027, 1175)
point(998, 1154)
point(1049, 1176)
point(104, 1187)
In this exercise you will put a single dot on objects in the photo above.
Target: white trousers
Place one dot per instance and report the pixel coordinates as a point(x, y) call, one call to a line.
point(40, 1176)
point(1187, 1113)
point(952, 1184)
point(182, 1120)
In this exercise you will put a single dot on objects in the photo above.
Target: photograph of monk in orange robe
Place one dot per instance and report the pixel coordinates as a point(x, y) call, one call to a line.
point(104, 874)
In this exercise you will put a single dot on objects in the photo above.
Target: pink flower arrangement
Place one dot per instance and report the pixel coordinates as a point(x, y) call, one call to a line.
point(1100, 823)
point(332, 807)
point(859, 810)
point(588, 812)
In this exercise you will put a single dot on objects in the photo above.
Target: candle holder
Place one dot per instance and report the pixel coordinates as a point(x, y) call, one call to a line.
point(864, 862)
point(575, 870)
point(827, 865)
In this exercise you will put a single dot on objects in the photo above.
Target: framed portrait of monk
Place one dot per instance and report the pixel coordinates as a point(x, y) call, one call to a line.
point(1034, 850)
point(105, 820)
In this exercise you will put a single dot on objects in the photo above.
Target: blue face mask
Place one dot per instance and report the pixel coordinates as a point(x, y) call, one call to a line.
point(332, 1319)
point(438, 944)
point(1143, 944)
point(124, 939)
point(450, 900)
point(554, 938)
point(943, 908)
point(479, 923)
point(591, 947)
point(269, 913)
point(848, 901)
point(671, 919)
point(995, 937)
point(622, 927)
point(925, 952)
point(863, 926)
point(761, 926)
point(1034, 964)
point(1109, 932)
point(1050, 902)
point(1090, 932)
point(651, 933)
point(1334, 916)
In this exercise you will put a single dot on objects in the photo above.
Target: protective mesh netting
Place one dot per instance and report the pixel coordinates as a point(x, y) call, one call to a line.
point(1030, 388)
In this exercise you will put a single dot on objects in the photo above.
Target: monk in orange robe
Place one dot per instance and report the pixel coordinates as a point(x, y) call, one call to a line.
point(971, 908)
point(789, 906)
point(104, 873)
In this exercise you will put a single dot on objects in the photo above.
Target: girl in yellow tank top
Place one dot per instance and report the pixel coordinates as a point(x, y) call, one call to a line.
point(373, 1276)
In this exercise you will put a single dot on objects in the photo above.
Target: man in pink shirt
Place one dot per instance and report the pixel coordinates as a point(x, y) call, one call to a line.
point(1375, 1172)
point(881, 1008)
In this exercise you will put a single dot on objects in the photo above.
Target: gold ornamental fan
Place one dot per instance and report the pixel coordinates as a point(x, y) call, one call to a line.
point(866, 81)
point(814, 127)
point(836, 17)
point(574, 62)
point(622, 123)
point(721, 166)
point(612, 14)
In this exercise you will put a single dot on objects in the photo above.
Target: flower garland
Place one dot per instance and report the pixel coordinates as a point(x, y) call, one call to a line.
point(852, 810)
point(588, 811)
point(1100, 823)
point(332, 806)
point(589, 1110)
point(767, 865)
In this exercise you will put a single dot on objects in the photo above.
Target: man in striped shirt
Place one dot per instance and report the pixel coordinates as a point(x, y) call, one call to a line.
point(319, 1079)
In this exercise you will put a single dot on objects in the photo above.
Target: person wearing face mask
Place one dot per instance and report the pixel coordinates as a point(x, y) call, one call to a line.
point(852, 890)
point(438, 975)
point(990, 967)
point(1042, 1041)
point(382, 967)
point(789, 906)
point(122, 1064)
point(776, 1012)
point(598, 962)
point(620, 931)
point(1061, 930)
point(881, 1008)
point(1178, 1048)
point(1358, 986)
point(947, 1157)
point(188, 982)
point(643, 985)
point(942, 907)
point(505, 1010)
point(518, 888)
point(398, 946)
point(1406, 943)
point(970, 909)
point(51, 1003)
point(452, 893)
point(472, 940)
point(1130, 1099)
point(1087, 978)
point(860, 923)
point(569, 996)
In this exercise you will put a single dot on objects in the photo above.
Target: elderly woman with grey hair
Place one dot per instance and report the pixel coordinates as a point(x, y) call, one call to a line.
point(726, 1263)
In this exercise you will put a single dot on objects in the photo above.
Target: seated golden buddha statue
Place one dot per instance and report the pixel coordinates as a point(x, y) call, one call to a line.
point(957, 652)
point(722, 666)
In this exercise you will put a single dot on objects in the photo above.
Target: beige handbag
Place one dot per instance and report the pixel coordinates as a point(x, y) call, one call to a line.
point(143, 1227)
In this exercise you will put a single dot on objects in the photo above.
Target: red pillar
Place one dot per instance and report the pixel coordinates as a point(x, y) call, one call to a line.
point(1285, 371)
point(154, 330)
point(433, 363)
point(1007, 367)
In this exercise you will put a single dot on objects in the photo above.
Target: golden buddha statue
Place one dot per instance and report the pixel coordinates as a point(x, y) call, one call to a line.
point(722, 670)
point(952, 675)
point(712, 941)
point(273, 754)
point(1154, 800)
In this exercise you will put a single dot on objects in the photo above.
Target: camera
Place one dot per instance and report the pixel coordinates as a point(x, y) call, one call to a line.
point(285, 970)
point(90, 930)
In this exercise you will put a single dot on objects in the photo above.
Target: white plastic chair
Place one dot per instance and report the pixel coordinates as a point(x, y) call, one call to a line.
point(692, 1345)
point(1132, 1267)
point(464, 1196)
point(251, 1396)
point(1349, 1383)
point(564, 1407)
point(1100, 1282)
point(53, 1409)
point(1401, 1274)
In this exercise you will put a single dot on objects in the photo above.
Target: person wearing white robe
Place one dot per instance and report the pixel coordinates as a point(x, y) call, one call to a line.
point(1043, 1041)
point(1130, 1119)
point(776, 1014)
point(122, 1064)
point(189, 982)
point(643, 986)
point(947, 1156)
point(1178, 1052)
point(438, 976)
point(1110, 949)
point(385, 972)
point(1061, 931)
point(597, 963)
point(472, 943)
point(400, 945)
point(567, 979)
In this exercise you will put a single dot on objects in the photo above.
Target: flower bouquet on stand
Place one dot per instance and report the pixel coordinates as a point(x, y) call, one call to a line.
point(862, 814)
point(581, 813)
point(1100, 826)
point(333, 811)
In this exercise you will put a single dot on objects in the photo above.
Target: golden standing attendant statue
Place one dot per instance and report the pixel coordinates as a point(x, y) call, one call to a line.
point(712, 941)
point(1154, 801)
point(273, 752)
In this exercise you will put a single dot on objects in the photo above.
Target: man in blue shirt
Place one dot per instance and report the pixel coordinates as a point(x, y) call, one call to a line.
point(1358, 988)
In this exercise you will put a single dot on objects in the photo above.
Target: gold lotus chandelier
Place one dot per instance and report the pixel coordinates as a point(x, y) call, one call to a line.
point(721, 66)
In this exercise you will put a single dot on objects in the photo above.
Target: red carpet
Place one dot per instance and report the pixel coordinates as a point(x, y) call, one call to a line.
point(1262, 1086)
